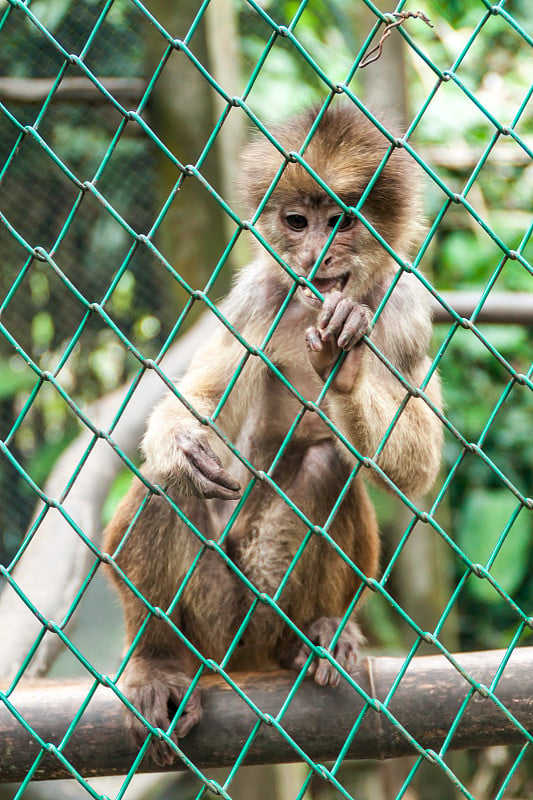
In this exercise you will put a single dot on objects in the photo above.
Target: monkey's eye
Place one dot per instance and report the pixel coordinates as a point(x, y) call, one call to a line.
point(296, 221)
point(346, 222)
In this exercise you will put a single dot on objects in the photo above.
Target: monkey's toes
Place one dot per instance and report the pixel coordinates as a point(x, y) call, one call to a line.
point(158, 702)
point(191, 714)
point(345, 652)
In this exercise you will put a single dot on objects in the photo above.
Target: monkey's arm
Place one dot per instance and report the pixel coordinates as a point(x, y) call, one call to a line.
point(365, 395)
point(180, 449)
point(411, 454)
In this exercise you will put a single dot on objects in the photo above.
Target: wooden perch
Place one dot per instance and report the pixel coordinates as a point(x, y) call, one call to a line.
point(506, 308)
point(319, 719)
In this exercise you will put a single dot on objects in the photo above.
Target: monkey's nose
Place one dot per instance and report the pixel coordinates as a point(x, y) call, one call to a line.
point(309, 260)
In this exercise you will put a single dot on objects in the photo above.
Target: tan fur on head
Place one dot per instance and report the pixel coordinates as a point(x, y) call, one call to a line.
point(345, 152)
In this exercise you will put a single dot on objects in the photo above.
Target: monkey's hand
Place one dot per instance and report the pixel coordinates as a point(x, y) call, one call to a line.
point(345, 652)
point(204, 468)
point(187, 461)
point(341, 326)
point(157, 695)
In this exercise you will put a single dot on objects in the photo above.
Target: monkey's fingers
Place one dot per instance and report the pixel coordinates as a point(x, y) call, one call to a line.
point(158, 701)
point(322, 354)
point(345, 652)
point(347, 649)
point(320, 669)
point(326, 673)
point(343, 320)
point(161, 752)
point(191, 714)
point(211, 479)
point(356, 325)
point(298, 663)
point(335, 311)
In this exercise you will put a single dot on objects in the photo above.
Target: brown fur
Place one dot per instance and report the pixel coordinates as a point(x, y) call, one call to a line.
point(201, 475)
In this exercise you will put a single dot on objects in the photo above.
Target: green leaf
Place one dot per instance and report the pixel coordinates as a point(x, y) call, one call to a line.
point(14, 381)
point(485, 515)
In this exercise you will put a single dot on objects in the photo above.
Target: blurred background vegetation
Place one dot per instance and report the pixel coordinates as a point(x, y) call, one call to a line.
point(43, 316)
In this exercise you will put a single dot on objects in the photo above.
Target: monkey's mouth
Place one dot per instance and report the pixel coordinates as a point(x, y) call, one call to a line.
point(334, 283)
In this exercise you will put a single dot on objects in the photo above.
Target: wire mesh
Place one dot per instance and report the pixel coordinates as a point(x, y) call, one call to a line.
point(85, 191)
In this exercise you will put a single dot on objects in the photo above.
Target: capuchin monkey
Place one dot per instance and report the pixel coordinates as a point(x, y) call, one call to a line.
point(276, 482)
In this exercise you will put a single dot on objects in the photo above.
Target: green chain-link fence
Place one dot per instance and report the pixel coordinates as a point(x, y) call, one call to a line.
point(85, 252)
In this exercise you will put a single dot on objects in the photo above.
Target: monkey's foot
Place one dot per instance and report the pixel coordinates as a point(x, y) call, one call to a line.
point(157, 699)
point(345, 652)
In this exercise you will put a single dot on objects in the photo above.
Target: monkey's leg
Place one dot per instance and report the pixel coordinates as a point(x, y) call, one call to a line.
point(155, 552)
point(355, 531)
point(320, 585)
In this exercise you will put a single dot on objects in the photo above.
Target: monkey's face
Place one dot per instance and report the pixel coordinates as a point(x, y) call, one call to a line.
point(319, 242)
point(302, 223)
